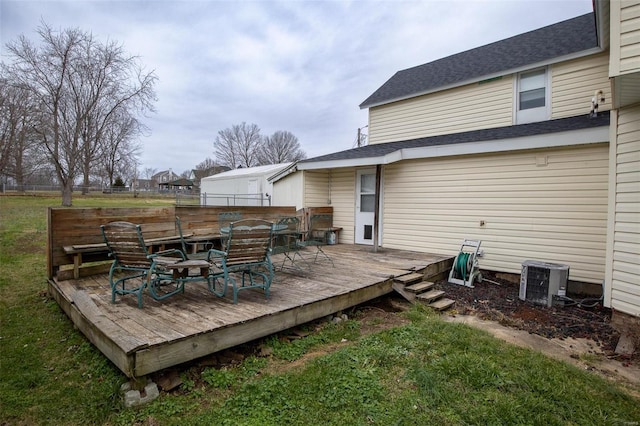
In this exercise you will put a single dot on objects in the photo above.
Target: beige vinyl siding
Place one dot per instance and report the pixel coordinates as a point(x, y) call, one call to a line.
point(316, 188)
point(625, 291)
point(555, 212)
point(625, 37)
point(343, 202)
point(487, 105)
point(470, 107)
point(335, 188)
point(574, 83)
point(629, 36)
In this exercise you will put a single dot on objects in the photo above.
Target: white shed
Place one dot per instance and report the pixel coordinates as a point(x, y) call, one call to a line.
point(240, 187)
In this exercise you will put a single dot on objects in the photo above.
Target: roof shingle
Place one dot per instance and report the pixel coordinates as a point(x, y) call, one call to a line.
point(522, 130)
point(553, 41)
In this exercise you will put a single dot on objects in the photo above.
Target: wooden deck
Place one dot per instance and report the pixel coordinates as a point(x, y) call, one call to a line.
point(197, 323)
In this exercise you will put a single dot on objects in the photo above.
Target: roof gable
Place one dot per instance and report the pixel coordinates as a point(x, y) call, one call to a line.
point(544, 44)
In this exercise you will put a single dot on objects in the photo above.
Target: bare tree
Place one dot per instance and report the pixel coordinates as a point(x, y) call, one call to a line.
point(238, 145)
point(118, 149)
point(19, 157)
point(113, 90)
point(281, 147)
point(149, 172)
point(78, 85)
point(207, 164)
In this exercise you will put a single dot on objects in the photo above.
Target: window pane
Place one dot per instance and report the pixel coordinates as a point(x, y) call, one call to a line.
point(367, 183)
point(367, 203)
point(532, 80)
point(532, 99)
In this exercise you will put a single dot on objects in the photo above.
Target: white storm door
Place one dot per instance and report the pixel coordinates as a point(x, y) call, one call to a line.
point(365, 205)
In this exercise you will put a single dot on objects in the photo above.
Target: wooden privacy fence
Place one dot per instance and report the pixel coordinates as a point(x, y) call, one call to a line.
point(75, 246)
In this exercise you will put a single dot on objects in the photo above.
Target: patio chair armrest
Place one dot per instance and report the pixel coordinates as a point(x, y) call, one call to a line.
point(166, 252)
point(215, 253)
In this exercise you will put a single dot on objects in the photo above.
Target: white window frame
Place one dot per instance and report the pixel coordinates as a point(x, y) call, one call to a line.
point(532, 114)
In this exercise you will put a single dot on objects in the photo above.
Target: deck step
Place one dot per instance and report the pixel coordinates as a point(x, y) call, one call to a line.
point(442, 304)
point(420, 287)
point(409, 278)
point(430, 295)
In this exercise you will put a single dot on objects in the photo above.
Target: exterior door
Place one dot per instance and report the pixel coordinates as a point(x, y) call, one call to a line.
point(365, 205)
point(252, 191)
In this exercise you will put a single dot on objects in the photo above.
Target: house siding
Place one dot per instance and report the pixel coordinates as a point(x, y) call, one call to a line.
point(625, 290)
point(574, 83)
point(629, 35)
point(316, 188)
point(625, 37)
point(548, 205)
point(487, 105)
point(342, 201)
point(470, 107)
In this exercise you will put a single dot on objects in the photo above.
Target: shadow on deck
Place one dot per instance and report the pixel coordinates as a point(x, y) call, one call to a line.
point(197, 323)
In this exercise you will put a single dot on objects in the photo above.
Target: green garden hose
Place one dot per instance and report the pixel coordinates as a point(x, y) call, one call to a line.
point(462, 264)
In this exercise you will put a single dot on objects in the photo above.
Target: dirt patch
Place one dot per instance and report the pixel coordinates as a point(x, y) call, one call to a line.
point(496, 299)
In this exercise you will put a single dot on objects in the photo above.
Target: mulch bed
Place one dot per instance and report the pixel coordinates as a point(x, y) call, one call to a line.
point(496, 299)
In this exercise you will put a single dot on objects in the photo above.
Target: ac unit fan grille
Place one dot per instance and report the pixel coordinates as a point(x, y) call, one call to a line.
point(537, 284)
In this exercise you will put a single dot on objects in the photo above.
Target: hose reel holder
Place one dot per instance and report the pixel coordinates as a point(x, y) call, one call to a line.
point(465, 269)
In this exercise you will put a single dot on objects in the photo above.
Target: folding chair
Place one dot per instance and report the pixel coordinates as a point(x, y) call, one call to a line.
point(317, 235)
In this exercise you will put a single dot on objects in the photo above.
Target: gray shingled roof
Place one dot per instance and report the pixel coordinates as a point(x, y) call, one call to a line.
point(564, 38)
point(522, 130)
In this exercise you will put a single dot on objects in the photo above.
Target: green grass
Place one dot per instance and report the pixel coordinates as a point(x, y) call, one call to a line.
point(425, 372)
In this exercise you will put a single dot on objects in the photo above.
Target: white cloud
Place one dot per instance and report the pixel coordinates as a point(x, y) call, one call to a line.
point(302, 66)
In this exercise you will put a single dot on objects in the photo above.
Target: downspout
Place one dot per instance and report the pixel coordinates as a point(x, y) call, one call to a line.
point(376, 208)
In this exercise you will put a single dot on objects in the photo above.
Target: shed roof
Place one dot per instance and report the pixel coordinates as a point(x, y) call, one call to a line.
point(267, 170)
point(534, 47)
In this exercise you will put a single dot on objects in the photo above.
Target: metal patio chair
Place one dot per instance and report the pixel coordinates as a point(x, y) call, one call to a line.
point(317, 235)
point(247, 252)
point(286, 240)
point(163, 274)
point(190, 248)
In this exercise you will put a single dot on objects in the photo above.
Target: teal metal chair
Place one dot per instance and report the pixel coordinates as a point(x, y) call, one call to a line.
point(190, 248)
point(246, 252)
point(317, 235)
point(134, 269)
point(286, 240)
point(225, 219)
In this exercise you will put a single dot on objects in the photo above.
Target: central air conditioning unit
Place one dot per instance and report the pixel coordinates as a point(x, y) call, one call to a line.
point(541, 281)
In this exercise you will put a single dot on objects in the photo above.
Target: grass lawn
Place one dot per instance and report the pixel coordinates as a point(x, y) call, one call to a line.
point(424, 372)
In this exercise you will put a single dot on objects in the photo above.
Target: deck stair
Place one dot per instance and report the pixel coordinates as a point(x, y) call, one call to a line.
point(416, 287)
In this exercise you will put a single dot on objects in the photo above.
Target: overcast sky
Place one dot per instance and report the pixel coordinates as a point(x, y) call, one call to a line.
point(300, 66)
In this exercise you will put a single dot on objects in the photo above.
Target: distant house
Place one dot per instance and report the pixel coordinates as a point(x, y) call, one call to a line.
point(162, 178)
point(180, 184)
point(502, 143)
point(145, 185)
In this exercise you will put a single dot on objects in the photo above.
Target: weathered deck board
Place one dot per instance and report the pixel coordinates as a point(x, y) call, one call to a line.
point(197, 323)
